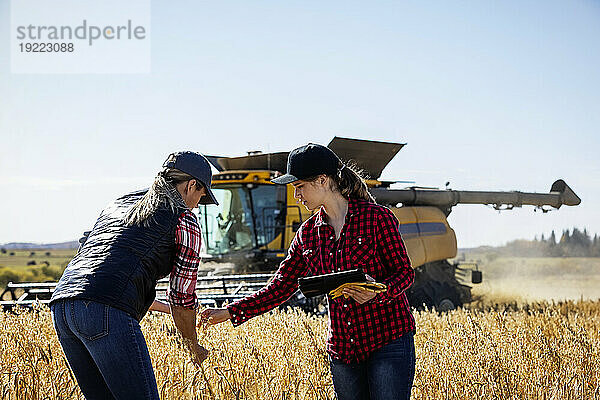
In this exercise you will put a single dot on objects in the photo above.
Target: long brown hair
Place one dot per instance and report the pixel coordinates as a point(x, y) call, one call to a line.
point(349, 182)
point(162, 192)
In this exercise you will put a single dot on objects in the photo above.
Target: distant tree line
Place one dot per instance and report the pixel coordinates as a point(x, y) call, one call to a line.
point(573, 243)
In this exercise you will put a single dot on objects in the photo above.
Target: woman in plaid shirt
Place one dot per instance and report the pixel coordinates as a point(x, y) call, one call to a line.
point(370, 342)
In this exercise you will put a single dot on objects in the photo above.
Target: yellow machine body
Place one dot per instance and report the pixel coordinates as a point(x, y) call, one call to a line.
point(426, 234)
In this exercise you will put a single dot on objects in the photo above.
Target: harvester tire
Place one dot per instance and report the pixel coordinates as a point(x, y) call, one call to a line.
point(445, 305)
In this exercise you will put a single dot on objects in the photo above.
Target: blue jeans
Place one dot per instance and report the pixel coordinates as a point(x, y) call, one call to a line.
point(387, 375)
point(105, 349)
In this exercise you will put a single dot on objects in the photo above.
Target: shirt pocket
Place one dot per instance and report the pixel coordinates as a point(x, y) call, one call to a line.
point(312, 260)
point(361, 253)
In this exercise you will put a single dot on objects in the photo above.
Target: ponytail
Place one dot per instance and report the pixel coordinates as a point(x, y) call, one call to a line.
point(349, 182)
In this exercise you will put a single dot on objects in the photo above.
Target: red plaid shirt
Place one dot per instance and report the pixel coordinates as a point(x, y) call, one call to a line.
point(370, 240)
point(182, 283)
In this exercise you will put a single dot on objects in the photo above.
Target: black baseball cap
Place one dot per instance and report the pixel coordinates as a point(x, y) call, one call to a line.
point(196, 165)
point(308, 161)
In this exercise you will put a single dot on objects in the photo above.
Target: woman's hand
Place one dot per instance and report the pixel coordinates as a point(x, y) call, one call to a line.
point(361, 295)
point(198, 353)
point(215, 315)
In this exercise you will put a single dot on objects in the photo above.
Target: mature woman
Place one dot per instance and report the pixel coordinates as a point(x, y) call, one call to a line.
point(370, 341)
point(110, 284)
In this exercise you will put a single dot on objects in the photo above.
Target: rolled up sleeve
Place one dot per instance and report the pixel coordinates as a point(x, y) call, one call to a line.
point(182, 282)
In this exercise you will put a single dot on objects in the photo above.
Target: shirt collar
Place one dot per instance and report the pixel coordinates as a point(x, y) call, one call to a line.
point(352, 207)
point(321, 218)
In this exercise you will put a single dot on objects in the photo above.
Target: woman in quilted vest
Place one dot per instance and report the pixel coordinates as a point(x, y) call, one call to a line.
point(109, 285)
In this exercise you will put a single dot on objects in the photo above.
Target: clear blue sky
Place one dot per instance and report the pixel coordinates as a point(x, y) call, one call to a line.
point(489, 95)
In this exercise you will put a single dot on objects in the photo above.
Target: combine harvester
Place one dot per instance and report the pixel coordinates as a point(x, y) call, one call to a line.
point(255, 222)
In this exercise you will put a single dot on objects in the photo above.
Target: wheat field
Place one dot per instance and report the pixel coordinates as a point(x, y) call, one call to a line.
point(540, 351)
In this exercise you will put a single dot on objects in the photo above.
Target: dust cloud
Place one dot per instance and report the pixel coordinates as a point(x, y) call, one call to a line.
point(528, 279)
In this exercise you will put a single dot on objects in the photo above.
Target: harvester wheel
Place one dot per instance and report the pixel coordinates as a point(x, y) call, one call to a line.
point(436, 286)
point(445, 305)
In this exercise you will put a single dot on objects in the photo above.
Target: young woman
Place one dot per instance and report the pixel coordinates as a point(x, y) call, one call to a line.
point(370, 342)
point(110, 284)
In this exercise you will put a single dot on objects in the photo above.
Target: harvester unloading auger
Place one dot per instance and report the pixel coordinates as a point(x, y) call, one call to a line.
point(256, 220)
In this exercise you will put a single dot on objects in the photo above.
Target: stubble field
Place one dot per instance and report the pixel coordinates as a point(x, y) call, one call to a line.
point(521, 340)
point(542, 351)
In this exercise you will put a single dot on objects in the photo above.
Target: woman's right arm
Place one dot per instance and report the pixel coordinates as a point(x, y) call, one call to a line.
point(283, 285)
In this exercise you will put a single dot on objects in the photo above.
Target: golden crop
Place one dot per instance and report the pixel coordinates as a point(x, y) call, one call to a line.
point(541, 351)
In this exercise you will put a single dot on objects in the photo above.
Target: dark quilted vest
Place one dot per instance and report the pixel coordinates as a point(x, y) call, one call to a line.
point(119, 265)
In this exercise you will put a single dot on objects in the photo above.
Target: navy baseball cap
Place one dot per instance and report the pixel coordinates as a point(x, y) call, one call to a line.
point(196, 165)
point(309, 161)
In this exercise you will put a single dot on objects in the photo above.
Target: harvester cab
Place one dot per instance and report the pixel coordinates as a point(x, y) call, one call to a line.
point(256, 220)
point(249, 227)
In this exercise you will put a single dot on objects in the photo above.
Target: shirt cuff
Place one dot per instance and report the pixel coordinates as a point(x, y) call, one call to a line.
point(238, 316)
point(382, 298)
point(393, 290)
